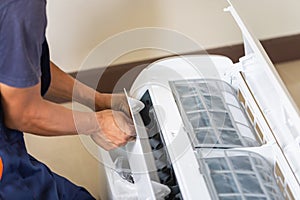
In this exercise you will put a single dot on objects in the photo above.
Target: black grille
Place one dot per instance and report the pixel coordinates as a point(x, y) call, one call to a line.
point(164, 167)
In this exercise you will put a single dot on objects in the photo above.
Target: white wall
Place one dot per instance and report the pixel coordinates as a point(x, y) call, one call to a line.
point(77, 26)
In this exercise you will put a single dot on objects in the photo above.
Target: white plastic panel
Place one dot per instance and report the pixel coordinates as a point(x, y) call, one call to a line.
point(137, 158)
point(271, 95)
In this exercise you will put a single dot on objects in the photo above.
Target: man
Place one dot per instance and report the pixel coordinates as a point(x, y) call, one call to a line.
point(24, 79)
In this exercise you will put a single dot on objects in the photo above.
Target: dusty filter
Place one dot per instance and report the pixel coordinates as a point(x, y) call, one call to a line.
point(239, 175)
point(212, 114)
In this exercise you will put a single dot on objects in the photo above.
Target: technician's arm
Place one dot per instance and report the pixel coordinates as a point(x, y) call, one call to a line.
point(25, 110)
point(62, 88)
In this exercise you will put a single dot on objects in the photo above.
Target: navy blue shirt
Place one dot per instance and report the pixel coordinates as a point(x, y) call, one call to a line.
point(24, 62)
point(22, 33)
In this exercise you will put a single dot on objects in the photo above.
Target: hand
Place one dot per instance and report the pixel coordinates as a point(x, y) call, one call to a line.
point(116, 102)
point(119, 102)
point(116, 129)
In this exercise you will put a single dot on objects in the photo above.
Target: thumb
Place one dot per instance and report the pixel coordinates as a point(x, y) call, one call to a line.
point(130, 128)
point(135, 105)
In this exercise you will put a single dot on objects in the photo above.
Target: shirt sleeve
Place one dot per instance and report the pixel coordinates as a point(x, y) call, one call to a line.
point(22, 33)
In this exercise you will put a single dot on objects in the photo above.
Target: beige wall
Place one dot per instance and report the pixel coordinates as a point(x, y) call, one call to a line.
point(77, 26)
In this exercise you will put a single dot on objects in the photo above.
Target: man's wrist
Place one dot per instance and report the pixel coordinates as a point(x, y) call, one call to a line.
point(102, 101)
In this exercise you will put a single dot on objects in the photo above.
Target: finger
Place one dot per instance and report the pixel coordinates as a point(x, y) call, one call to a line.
point(136, 105)
point(118, 138)
point(131, 139)
point(120, 103)
point(120, 144)
point(125, 118)
point(129, 128)
point(125, 109)
point(102, 142)
point(124, 123)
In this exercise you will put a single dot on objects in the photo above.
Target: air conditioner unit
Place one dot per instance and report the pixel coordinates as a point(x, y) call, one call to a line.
point(210, 129)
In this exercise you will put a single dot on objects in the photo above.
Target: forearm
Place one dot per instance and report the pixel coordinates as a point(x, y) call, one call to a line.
point(61, 87)
point(49, 119)
point(65, 88)
point(25, 110)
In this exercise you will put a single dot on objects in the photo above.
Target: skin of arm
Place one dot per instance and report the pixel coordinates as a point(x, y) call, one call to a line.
point(63, 88)
point(25, 110)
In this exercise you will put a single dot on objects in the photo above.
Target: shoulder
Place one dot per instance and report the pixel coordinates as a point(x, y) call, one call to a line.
point(29, 14)
point(22, 33)
point(12, 7)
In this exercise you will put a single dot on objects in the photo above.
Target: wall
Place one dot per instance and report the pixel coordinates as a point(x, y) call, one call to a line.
point(77, 26)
